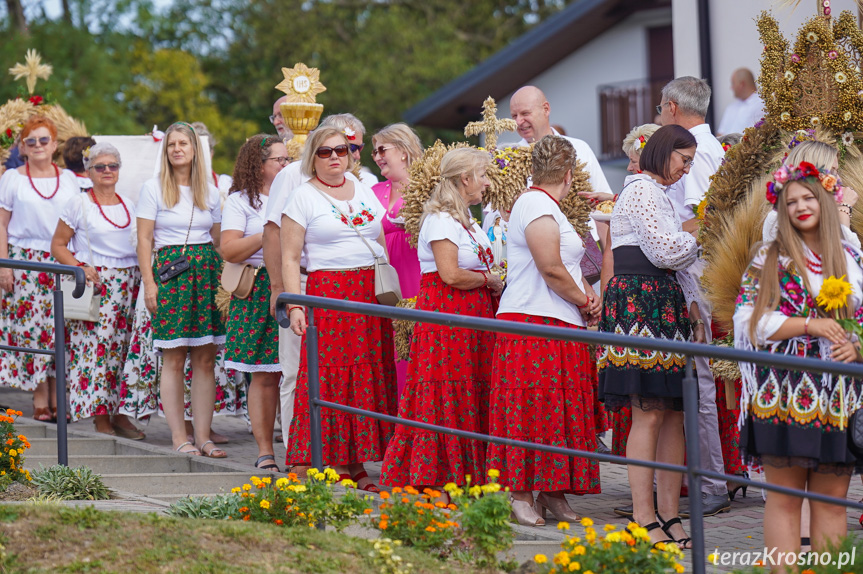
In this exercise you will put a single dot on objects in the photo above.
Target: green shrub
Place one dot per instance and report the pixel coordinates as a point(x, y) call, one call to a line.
point(220, 507)
point(66, 483)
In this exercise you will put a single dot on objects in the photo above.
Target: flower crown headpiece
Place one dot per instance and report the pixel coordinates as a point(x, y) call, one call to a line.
point(784, 174)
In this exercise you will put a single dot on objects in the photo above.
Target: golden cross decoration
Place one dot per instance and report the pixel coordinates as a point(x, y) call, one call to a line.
point(32, 70)
point(490, 124)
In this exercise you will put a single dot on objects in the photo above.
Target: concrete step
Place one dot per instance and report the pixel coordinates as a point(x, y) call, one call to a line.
point(119, 464)
point(76, 446)
point(32, 431)
point(161, 484)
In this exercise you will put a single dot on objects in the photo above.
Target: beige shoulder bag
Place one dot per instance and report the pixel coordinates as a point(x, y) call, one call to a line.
point(387, 289)
point(86, 307)
point(239, 278)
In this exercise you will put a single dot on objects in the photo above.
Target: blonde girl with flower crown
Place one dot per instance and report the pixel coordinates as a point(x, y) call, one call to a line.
point(793, 423)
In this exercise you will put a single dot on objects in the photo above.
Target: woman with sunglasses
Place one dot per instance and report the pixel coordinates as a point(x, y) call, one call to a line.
point(395, 149)
point(322, 221)
point(31, 199)
point(253, 334)
point(179, 221)
point(97, 225)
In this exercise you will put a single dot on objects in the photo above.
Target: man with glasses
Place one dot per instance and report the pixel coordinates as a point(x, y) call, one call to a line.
point(684, 102)
point(290, 178)
point(279, 122)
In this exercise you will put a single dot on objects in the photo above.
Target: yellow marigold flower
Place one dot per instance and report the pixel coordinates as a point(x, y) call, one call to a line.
point(679, 568)
point(247, 487)
point(540, 559)
point(266, 480)
point(563, 525)
point(561, 558)
point(613, 537)
point(13, 452)
point(834, 293)
point(282, 482)
point(494, 473)
point(579, 550)
point(609, 527)
point(586, 521)
point(254, 479)
point(265, 504)
point(320, 476)
point(348, 483)
point(474, 491)
point(573, 566)
point(588, 572)
point(236, 489)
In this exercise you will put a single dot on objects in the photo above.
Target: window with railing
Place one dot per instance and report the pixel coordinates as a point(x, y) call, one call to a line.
point(622, 106)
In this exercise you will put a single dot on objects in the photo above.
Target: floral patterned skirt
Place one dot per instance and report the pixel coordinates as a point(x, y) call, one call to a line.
point(186, 313)
point(356, 367)
point(542, 391)
point(97, 351)
point(447, 385)
point(729, 433)
point(139, 388)
point(647, 306)
point(253, 334)
point(794, 419)
point(621, 423)
point(27, 320)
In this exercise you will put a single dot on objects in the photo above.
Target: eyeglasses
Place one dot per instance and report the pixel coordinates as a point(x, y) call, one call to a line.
point(101, 167)
point(273, 118)
point(324, 152)
point(44, 140)
point(356, 147)
point(660, 106)
point(687, 161)
point(380, 150)
point(283, 161)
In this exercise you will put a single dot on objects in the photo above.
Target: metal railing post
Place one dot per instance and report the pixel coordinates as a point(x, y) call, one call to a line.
point(60, 372)
point(314, 384)
point(693, 460)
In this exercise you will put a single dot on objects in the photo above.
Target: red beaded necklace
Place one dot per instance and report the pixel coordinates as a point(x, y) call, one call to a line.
point(545, 192)
point(126, 209)
point(56, 174)
point(344, 180)
point(814, 266)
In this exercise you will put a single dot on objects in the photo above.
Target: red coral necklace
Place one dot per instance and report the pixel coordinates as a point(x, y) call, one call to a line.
point(56, 174)
point(814, 266)
point(123, 203)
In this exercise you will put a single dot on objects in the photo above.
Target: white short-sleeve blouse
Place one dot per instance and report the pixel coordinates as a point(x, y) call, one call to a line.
point(111, 245)
point(474, 248)
point(172, 224)
point(239, 215)
point(34, 218)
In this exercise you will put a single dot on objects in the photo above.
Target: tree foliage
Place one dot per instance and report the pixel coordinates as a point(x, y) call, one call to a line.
point(122, 66)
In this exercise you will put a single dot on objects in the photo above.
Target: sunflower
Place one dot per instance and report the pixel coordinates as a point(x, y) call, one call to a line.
point(834, 293)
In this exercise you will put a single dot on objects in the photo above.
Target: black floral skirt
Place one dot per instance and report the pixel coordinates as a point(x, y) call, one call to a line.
point(647, 306)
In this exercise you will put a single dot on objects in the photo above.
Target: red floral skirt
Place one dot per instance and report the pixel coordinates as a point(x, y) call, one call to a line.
point(542, 391)
point(356, 367)
point(729, 432)
point(621, 423)
point(447, 385)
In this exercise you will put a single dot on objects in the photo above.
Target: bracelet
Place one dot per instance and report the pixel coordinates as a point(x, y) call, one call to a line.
point(484, 277)
point(585, 306)
point(614, 198)
point(697, 322)
point(848, 205)
point(81, 264)
point(806, 326)
point(300, 307)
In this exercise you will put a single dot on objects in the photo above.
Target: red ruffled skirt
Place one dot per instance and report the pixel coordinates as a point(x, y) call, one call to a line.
point(542, 391)
point(356, 367)
point(447, 385)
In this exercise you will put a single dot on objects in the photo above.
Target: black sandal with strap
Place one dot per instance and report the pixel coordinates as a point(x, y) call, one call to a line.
point(666, 527)
point(654, 526)
point(271, 466)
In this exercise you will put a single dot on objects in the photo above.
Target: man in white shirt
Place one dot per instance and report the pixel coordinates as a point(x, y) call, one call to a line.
point(684, 102)
point(279, 122)
point(280, 194)
point(746, 109)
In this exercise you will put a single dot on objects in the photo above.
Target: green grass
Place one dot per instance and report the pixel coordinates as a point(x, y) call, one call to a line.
point(54, 538)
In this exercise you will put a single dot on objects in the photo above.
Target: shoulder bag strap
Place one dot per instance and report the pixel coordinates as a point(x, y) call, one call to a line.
point(348, 219)
point(189, 231)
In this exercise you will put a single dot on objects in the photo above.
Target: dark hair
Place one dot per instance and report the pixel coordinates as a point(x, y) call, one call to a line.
point(656, 155)
point(73, 151)
point(247, 170)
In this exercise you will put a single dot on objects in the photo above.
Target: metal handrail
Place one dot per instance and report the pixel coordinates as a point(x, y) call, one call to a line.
point(59, 351)
point(690, 396)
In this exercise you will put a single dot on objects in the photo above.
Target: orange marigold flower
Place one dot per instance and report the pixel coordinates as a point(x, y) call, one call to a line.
point(385, 517)
point(451, 506)
point(406, 500)
point(278, 521)
point(397, 490)
point(247, 517)
point(434, 494)
point(385, 495)
point(430, 529)
point(292, 476)
point(440, 504)
point(382, 525)
point(411, 490)
point(367, 511)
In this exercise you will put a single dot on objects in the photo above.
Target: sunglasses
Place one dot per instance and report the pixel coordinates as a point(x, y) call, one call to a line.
point(324, 152)
point(356, 147)
point(380, 150)
point(101, 167)
point(44, 140)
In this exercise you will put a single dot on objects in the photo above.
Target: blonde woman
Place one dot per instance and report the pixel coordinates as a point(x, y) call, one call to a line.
point(801, 444)
point(322, 221)
point(179, 216)
point(450, 368)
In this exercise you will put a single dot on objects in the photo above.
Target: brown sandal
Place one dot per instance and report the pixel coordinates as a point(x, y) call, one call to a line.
point(42, 414)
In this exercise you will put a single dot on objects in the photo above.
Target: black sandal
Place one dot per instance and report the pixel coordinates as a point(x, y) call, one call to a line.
point(666, 527)
point(271, 466)
point(654, 526)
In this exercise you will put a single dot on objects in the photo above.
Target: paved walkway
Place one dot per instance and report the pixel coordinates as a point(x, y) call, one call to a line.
point(740, 530)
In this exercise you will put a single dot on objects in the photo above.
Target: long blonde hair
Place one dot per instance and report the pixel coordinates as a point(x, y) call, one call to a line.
point(199, 176)
point(789, 243)
point(445, 197)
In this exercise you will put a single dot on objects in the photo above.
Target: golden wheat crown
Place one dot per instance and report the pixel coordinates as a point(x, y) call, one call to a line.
point(817, 82)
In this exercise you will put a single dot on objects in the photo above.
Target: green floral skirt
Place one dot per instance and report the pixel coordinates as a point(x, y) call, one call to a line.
point(253, 334)
point(186, 313)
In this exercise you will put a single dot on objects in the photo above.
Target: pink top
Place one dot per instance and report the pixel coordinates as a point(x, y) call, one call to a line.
point(402, 256)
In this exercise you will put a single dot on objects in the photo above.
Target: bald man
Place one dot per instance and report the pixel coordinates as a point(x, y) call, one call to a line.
point(746, 109)
point(279, 122)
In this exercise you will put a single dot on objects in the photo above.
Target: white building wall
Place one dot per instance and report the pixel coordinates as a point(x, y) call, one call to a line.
point(571, 86)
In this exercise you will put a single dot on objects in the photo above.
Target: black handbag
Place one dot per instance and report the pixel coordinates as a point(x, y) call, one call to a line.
point(176, 267)
point(855, 434)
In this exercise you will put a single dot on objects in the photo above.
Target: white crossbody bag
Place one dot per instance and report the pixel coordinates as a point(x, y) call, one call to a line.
point(387, 289)
point(86, 308)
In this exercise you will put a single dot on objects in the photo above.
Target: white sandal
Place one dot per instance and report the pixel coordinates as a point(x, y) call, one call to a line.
point(193, 452)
